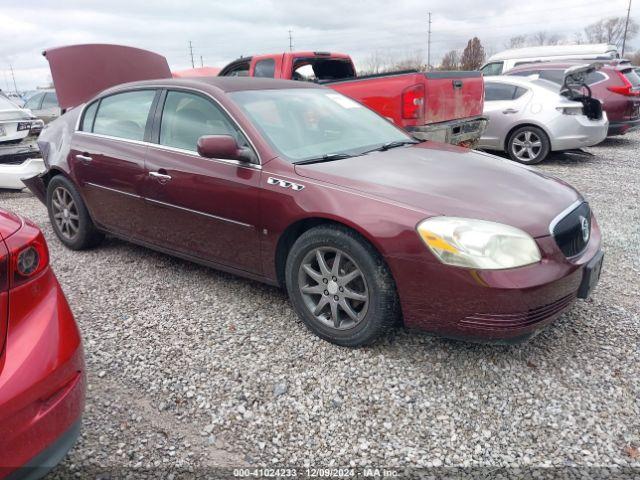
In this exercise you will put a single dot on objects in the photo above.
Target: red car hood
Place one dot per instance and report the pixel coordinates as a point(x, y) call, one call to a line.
point(446, 180)
point(81, 71)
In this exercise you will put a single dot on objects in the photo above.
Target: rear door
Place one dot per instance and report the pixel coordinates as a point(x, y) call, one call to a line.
point(107, 159)
point(503, 102)
point(202, 207)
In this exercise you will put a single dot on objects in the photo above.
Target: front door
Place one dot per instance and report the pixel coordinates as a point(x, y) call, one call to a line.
point(206, 208)
point(107, 160)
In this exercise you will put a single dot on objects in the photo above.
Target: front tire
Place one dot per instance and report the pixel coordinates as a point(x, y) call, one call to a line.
point(340, 286)
point(528, 145)
point(69, 216)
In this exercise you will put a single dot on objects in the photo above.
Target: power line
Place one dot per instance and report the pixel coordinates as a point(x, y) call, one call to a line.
point(191, 53)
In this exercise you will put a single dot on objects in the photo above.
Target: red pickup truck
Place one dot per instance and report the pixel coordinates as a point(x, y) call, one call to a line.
point(444, 106)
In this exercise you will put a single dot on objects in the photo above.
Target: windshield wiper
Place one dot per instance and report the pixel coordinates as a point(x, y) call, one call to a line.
point(329, 157)
point(389, 145)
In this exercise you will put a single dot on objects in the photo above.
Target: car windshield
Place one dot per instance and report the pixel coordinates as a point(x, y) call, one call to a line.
point(303, 124)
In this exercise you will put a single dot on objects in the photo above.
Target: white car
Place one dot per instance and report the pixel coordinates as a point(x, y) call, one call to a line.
point(530, 118)
point(16, 123)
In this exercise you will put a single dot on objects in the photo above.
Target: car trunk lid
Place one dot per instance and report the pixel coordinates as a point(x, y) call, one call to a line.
point(575, 85)
point(81, 71)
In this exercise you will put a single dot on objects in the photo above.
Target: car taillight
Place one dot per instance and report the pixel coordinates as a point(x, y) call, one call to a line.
point(28, 255)
point(626, 89)
point(413, 102)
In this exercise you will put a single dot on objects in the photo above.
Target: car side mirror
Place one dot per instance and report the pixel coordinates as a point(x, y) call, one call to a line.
point(224, 147)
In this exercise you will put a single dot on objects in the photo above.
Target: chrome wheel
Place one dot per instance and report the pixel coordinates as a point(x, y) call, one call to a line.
point(526, 146)
point(65, 213)
point(333, 288)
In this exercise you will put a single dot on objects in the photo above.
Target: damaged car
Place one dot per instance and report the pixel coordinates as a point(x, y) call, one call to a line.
point(294, 184)
point(528, 119)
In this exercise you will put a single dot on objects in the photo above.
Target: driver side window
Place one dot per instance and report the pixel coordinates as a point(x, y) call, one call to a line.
point(187, 116)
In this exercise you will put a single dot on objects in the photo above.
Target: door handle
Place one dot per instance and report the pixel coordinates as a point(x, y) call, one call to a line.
point(160, 176)
point(510, 110)
point(84, 158)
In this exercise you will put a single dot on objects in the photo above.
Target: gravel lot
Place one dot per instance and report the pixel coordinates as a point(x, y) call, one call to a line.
point(190, 368)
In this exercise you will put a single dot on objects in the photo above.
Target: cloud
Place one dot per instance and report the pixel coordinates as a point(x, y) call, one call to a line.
point(223, 30)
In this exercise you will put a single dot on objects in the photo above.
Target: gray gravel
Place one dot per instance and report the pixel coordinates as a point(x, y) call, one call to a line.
point(192, 368)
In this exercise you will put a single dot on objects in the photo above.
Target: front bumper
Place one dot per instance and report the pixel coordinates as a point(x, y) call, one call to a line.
point(620, 128)
point(569, 132)
point(465, 131)
point(42, 379)
point(498, 306)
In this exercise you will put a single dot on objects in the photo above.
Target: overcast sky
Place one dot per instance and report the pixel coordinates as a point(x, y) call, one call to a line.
point(223, 30)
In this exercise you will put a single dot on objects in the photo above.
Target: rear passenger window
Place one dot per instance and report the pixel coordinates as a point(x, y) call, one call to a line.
point(555, 76)
point(89, 116)
point(595, 77)
point(265, 68)
point(498, 91)
point(50, 100)
point(186, 117)
point(124, 115)
point(519, 92)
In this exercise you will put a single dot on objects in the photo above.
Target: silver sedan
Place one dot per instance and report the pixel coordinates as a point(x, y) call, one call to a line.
point(530, 118)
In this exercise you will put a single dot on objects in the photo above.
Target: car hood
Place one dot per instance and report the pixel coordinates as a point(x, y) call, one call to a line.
point(81, 71)
point(442, 179)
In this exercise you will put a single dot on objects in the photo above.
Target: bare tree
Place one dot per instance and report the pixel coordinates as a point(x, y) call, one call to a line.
point(518, 41)
point(539, 38)
point(374, 63)
point(610, 30)
point(473, 55)
point(450, 61)
point(410, 61)
point(634, 58)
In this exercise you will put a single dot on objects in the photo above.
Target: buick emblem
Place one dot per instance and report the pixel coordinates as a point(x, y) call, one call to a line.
point(584, 226)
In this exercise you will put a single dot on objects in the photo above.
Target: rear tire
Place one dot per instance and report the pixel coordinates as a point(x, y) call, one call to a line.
point(350, 299)
point(69, 216)
point(528, 145)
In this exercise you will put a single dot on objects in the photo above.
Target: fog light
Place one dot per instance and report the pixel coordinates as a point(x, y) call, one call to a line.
point(28, 261)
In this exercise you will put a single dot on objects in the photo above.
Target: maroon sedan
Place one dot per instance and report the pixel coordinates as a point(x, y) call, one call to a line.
point(617, 86)
point(293, 184)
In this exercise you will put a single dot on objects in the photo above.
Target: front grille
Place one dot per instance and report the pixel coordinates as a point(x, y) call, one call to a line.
point(572, 232)
point(502, 321)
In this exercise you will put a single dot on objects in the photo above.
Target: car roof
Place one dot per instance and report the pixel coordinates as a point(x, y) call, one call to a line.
point(551, 50)
point(223, 84)
point(514, 80)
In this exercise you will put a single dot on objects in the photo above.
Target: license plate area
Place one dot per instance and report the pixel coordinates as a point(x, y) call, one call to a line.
point(591, 275)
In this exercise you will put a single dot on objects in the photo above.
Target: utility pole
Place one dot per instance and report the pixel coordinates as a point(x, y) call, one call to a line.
point(626, 27)
point(201, 61)
point(290, 41)
point(14, 78)
point(191, 53)
point(429, 45)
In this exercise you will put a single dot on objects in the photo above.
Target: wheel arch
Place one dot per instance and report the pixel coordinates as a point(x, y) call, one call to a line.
point(300, 226)
point(527, 123)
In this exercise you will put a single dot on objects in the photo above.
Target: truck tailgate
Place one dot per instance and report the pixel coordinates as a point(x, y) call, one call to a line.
point(452, 95)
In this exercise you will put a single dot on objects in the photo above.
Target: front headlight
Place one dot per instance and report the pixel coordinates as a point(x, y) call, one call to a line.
point(469, 243)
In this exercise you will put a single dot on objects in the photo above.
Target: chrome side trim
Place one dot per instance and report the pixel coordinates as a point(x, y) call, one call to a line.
point(172, 87)
point(182, 151)
point(563, 214)
point(133, 195)
point(198, 212)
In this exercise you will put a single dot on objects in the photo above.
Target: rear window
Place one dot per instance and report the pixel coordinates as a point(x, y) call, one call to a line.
point(632, 77)
point(124, 115)
point(265, 68)
point(50, 100)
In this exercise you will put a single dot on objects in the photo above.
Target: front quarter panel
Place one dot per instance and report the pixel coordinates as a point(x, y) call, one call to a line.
point(388, 226)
